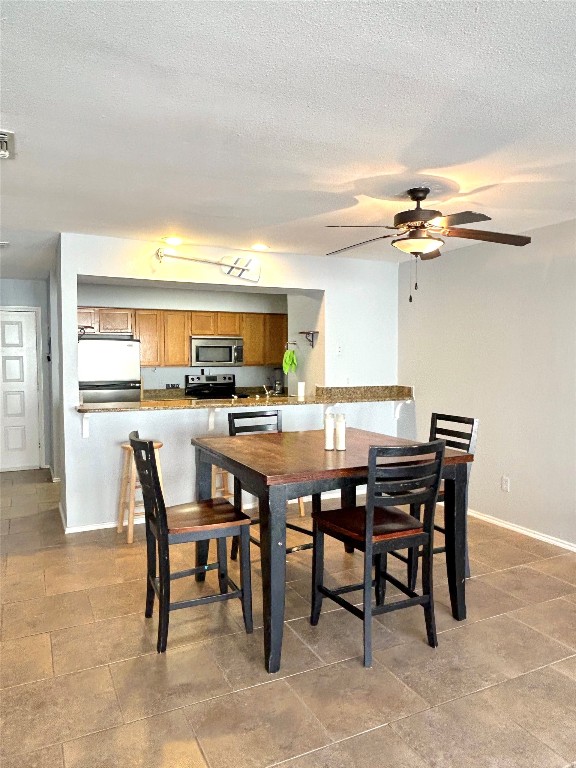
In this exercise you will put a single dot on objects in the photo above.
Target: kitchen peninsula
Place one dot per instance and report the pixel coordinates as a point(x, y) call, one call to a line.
point(175, 421)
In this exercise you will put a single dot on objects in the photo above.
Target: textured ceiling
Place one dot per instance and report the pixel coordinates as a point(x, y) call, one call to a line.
point(237, 122)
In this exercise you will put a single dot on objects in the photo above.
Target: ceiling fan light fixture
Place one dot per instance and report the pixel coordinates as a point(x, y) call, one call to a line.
point(418, 242)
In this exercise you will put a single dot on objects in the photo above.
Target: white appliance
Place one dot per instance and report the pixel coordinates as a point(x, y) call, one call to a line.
point(109, 369)
point(216, 350)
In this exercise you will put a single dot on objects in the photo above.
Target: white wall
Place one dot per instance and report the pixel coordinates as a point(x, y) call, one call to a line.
point(34, 293)
point(359, 337)
point(491, 333)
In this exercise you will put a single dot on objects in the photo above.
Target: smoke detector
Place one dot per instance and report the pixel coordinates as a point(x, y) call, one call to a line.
point(6, 145)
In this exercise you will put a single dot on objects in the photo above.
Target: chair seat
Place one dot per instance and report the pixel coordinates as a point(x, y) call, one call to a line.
point(389, 522)
point(202, 515)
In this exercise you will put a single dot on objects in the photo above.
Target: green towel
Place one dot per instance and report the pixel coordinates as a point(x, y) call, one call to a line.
point(289, 363)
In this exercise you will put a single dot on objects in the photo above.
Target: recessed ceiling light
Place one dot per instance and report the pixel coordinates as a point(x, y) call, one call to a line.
point(260, 247)
point(173, 240)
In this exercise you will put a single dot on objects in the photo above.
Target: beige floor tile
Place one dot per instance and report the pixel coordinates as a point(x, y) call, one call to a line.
point(482, 602)
point(348, 699)
point(164, 741)
point(118, 599)
point(380, 747)
point(80, 575)
point(20, 543)
point(571, 597)
point(556, 618)
point(45, 614)
point(5, 500)
point(202, 622)
point(562, 567)
point(22, 586)
point(526, 584)
point(500, 555)
point(4, 526)
point(50, 757)
point(41, 521)
point(160, 682)
point(102, 642)
point(25, 660)
point(470, 658)
point(542, 702)
point(567, 667)
point(466, 734)
point(256, 727)
point(338, 635)
point(241, 657)
point(62, 708)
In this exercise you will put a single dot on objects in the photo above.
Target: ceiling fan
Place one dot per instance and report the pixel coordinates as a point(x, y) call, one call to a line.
point(420, 229)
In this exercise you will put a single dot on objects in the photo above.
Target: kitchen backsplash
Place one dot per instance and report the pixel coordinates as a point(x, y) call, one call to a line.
point(246, 376)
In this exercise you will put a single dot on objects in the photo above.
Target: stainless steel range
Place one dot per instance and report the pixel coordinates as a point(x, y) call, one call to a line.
point(220, 386)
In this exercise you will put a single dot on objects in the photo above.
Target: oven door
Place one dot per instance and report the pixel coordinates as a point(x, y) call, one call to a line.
point(215, 351)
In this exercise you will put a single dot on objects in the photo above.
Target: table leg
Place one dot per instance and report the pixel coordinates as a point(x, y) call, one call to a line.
point(455, 510)
point(348, 499)
point(203, 491)
point(273, 555)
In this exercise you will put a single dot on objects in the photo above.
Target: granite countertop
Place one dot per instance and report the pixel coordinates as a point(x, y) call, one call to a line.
point(167, 399)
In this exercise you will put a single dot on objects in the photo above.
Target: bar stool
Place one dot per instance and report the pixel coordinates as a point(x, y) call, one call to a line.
point(128, 487)
point(220, 483)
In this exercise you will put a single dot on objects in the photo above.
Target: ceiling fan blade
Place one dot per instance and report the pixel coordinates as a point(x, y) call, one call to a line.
point(347, 248)
point(490, 237)
point(359, 226)
point(430, 255)
point(465, 217)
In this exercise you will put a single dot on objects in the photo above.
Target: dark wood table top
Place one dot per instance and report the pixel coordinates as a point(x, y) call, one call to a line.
point(291, 457)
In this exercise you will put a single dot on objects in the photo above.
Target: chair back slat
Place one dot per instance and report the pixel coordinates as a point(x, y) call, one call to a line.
point(248, 422)
point(145, 460)
point(416, 481)
point(459, 432)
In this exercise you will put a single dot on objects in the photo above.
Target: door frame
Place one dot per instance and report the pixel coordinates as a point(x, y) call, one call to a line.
point(40, 361)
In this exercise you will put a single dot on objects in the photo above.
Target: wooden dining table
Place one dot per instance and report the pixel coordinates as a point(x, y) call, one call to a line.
point(277, 467)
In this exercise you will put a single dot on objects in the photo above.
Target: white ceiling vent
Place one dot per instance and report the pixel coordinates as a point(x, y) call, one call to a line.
point(6, 145)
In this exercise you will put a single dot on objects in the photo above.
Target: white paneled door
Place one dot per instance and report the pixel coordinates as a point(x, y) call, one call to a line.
point(20, 430)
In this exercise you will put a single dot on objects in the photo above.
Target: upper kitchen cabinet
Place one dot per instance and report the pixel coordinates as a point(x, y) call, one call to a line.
point(253, 334)
point(149, 329)
point(116, 320)
point(228, 324)
point(275, 338)
point(176, 338)
point(88, 319)
point(203, 323)
point(106, 320)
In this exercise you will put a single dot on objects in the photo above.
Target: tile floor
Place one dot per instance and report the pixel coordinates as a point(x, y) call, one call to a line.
point(82, 685)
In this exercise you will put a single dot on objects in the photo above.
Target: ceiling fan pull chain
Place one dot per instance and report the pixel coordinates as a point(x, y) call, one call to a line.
point(410, 297)
point(416, 281)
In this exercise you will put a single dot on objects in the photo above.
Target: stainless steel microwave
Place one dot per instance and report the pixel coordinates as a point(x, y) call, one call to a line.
point(216, 351)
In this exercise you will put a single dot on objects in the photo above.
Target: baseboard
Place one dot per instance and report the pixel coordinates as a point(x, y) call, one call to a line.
point(53, 476)
point(96, 526)
point(525, 531)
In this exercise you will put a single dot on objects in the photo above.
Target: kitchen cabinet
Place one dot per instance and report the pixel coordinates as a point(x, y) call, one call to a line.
point(228, 324)
point(106, 319)
point(88, 319)
point(203, 323)
point(253, 334)
point(176, 328)
point(275, 338)
point(115, 320)
point(149, 329)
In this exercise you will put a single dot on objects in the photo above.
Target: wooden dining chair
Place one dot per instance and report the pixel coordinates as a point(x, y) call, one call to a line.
point(397, 476)
point(461, 433)
point(195, 521)
point(248, 422)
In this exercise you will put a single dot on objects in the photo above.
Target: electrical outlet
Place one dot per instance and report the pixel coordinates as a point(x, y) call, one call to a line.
point(505, 483)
